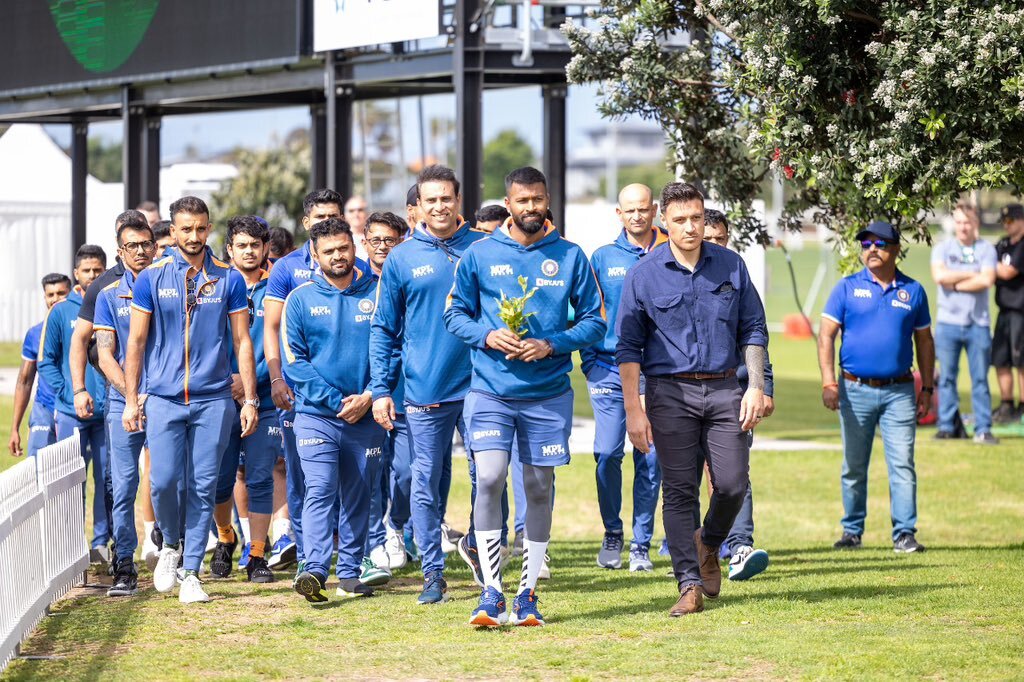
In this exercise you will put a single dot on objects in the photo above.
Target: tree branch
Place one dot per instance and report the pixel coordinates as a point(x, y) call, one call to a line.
point(713, 21)
point(861, 16)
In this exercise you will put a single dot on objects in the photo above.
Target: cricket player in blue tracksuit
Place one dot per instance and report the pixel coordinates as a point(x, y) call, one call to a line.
point(55, 368)
point(111, 323)
point(188, 310)
point(520, 386)
point(289, 272)
point(247, 240)
point(325, 334)
point(415, 280)
point(42, 430)
point(636, 210)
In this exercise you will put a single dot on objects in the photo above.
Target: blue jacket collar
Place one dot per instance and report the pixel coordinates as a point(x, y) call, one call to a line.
point(209, 262)
point(504, 235)
point(360, 283)
point(76, 295)
point(898, 281)
point(657, 237)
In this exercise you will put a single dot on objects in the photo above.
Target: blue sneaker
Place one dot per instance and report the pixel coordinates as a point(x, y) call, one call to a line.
point(524, 609)
point(663, 550)
point(435, 589)
point(283, 553)
point(243, 560)
point(747, 562)
point(491, 612)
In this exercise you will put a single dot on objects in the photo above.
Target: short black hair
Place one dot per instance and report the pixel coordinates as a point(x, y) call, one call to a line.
point(148, 206)
point(56, 278)
point(189, 204)
point(412, 196)
point(130, 217)
point(320, 196)
point(136, 228)
point(281, 240)
point(329, 228)
point(387, 218)
point(86, 251)
point(437, 173)
point(524, 177)
point(492, 212)
point(679, 192)
point(250, 225)
point(712, 216)
point(162, 229)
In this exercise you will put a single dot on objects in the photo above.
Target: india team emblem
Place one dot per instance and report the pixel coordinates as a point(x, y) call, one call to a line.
point(903, 295)
point(366, 306)
point(207, 289)
point(549, 268)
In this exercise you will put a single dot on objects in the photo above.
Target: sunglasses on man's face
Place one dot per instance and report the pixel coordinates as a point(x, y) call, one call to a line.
point(877, 243)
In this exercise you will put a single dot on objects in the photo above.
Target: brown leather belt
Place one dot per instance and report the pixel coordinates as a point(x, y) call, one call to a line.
point(701, 376)
point(879, 383)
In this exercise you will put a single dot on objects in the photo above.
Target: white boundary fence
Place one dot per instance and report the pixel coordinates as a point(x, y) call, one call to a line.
point(43, 552)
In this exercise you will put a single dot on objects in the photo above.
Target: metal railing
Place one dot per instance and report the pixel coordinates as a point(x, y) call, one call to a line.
point(43, 551)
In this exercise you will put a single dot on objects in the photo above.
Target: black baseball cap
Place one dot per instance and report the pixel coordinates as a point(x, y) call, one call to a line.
point(1011, 212)
point(880, 229)
point(412, 197)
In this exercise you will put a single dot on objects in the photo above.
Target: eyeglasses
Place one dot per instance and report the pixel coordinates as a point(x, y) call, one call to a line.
point(377, 241)
point(877, 243)
point(145, 246)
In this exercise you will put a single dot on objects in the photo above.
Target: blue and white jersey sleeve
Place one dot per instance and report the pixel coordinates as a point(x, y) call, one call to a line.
point(386, 332)
point(280, 283)
point(103, 318)
point(835, 306)
point(299, 357)
point(463, 309)
point(30, 347)
point(238, 301)
point(142, 292)
point(922, 316)
point(585, 298)
point(51, 350)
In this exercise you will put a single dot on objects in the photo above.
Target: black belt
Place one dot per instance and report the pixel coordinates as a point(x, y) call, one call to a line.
point(879, 383)
point(699, 376)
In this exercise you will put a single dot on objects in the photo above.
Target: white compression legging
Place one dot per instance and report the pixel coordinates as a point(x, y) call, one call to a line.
point(491, 472)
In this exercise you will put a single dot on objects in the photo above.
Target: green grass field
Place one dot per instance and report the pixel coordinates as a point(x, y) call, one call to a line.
point(951, 613)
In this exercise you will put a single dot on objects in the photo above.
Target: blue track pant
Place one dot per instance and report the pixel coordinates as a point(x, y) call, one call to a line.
point(125, 449)
point(93, 438)
point(295, 483)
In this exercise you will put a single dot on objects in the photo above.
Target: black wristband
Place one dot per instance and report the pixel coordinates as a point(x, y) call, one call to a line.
point(81, 390)
point(927, 389)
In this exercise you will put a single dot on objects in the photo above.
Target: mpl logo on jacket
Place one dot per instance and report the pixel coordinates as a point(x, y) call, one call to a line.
point(319, 310)
point(501, 270)
point(167, 293)
point(302, 273)
point(862, 293)
point(374, 452)
point(124, 311)
point(552, 450)
point(617, 271)
point(422, 271)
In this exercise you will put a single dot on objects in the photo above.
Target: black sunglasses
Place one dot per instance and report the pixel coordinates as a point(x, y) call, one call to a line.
point(190, 294)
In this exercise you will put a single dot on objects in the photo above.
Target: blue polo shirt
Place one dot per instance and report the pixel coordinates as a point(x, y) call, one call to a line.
point(187, 351)
point(672, 320)
point(878, 324)
point(30, 353)
point(611, 262)
point(112, 313)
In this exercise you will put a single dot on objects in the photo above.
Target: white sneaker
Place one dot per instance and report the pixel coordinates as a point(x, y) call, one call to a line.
point(545, 569)
point(394, 545)
point(192, 591)
point(165, 574)
point(211, 542)
point(150, 553)
point(450, 539)
point(379, 557)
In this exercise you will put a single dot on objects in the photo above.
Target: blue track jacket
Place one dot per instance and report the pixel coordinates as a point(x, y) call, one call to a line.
point(113, 314)
point(55, 358)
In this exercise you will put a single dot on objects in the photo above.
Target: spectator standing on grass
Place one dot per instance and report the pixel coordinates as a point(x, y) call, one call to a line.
point(964, 268)
point(883, 315)
point(1008, 341)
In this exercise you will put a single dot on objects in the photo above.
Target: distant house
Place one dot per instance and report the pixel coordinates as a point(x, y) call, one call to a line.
point(608, 148)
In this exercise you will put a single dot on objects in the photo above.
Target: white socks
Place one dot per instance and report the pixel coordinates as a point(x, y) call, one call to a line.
point(243, 521)
point(488, 546)
point(280, 527)
point(533, 560)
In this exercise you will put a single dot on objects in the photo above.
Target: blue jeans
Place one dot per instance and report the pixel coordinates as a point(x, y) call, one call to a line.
point(894, 410)
point(186, 443)
point(950, 339)
point(93, 439)
point(125, 449)
point(605, 387)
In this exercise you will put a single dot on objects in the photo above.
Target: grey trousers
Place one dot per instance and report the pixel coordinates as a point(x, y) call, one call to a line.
point(691, 418)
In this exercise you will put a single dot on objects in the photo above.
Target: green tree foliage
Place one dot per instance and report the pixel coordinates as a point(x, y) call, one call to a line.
point(504, 152)
point(104, 160)
point(867, 110)
point(270, 183)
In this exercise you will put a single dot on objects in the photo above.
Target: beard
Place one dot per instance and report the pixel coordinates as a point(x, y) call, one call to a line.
point(342, 269)
point(191, 248)
point(530, 223)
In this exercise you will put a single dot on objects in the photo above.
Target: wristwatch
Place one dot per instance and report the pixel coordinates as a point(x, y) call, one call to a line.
point(255, 402)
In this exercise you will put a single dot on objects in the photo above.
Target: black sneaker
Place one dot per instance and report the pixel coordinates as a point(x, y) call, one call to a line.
point(848, 541)
point(312, 586)
point(1005, 414)
point(126, 579)
point(471, 556)
point(258, 571)
point(944, 435)
point(906, 543)
point(351, 587)
point(157, 536)
point(223, 557)
point(985, 438)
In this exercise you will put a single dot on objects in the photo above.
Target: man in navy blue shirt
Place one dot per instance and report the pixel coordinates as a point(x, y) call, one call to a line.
point(689, 315)
point(883, 315)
